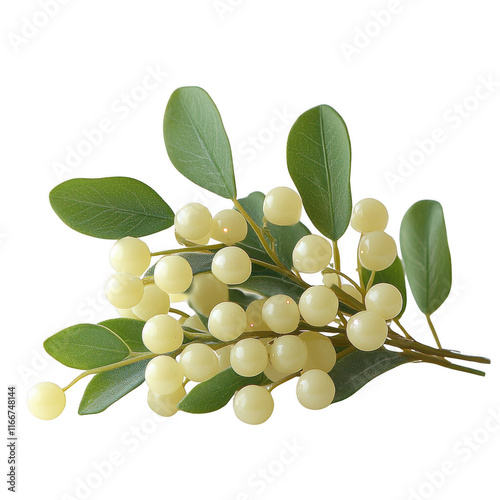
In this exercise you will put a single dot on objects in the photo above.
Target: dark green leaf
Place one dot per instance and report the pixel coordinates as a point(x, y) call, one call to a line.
point(86, 346)
point(197, 143)
point(106, 388)
point(426, 256)
point(216, 392)
point(111, 207)
point(319, 162)
point(242, 298)
point(129, 330)
point(353, 371)
point(394, 275)
point(272, 285)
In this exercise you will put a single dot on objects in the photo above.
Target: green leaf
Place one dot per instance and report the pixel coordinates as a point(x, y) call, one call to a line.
point(216, 392)
point(394, 275)
point(426, 255)
point(242, 298)
point(319, 162)
point(129, 330)
point(106, 388)
point(286, 237)
point(355, 370)
point(86, 346)
point(197, 143)
point(273, 285)
point(111, 207)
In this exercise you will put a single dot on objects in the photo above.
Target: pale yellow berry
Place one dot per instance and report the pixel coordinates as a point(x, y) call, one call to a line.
point(369, 215)
point(249, 357)
point(193, 221)
point(367, 331)
point(46, 400)
point(253, 404)
point(227, 321)
point(255, 322)
point(201, 241)
point(199, 362)
point(165, 405)
point(311, 254)
point(195, 323)
point(272, 374)
point(315, 390)
point(173, 274)
point(282, 206)
point(318, 305)
point(288, 354)
point(377, 251)
point(126, 313)
point(352, 291)
point(206, 292)
point(177, 297)
point(224, 357)
point(124, 290)
point(229, 227)
point(321, 354)
point(330, 279)
point(164, 375)
point(281, 314)
point(153, 302)
point(231, 265)
point(130, 255)
point(162, 334)
point(384, 299)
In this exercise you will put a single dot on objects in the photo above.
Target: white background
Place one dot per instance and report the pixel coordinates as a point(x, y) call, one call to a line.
point(258, 59)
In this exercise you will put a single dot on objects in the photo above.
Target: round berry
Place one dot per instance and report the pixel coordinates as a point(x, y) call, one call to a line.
point(281, 314)
point(46, 400)
point(367, 331)
point(282, 206)
point(193, 222)
point(384, 299)
point(231, 265)
point(124, 290)
point(311, 254)
point(377, 251)
point(199, 362)
point(173, 274)
point(318, 305)
point(130, 255)
point(162, 334)
point(330, 279)
point(288, 354)
point(272, 374)
point(164, 375)
point(229, 227)
point(153, 302)
point(195, 323)
point(165, 405)
point(249, 357)
point(321, 354)
point(255, 322)
point(206, 292)
point(315, 390)
point(126, 313)
point(353, 292)
point(369, 215)
point(253, 404)
point(224, 357)
point(227, 321)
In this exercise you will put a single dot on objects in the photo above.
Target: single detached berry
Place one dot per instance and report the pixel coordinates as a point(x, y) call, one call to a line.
point(130, 255)
point(229, 227)
point(231, 265)
point(311, 254)
point(377, 251)
point(367, 331)
point(315, 390)
point(249, 357)
point(206, 292)
point(173, 274)
point(165, 405)
point(282, 206)
point(124, 290)
point(162, 334)
point(154, 301)
point(164, 375)
point(199, 362)
point(46, 400)
point(318, 305)
point(288, 354)
point(193, 222)
point(384, 299)
point(369, 215)
point(281, 314)
point(253, 404)
point(227, 321)
point(321, 354)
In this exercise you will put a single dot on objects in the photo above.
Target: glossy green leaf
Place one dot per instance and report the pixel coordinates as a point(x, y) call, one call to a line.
point(197, 143)
point(319, 162)
point(355, 370)
point(106, 388)
point(244, 299)
point(216, 392)
point(273, 285)
point(426, 255)
point(129, 330)
point(111, 207)
point(394, 275)
point(286, 237)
